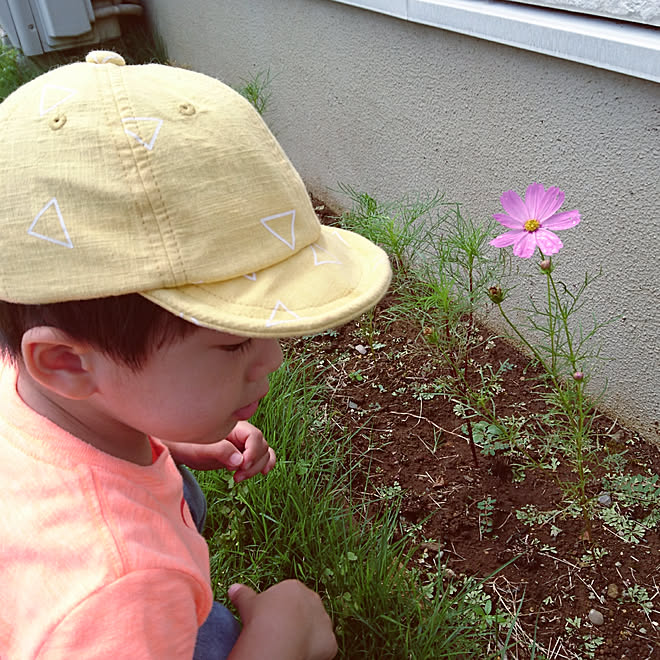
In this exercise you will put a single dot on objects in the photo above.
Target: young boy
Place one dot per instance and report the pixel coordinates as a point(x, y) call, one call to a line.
point(156, 242)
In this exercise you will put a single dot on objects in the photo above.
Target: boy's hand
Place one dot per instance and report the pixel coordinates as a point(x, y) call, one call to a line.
point(253, 450)
point(244, 450)
point(286, 621)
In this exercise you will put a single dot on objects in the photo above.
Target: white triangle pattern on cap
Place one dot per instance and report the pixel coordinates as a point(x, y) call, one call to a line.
point(65, 234)
point(279, 305)
point(319, 260)
point(336, 234)
point(147, 144)
point(265, 222)
point(69, 92)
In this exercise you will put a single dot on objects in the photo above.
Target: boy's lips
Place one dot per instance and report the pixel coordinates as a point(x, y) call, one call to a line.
point(247, 411)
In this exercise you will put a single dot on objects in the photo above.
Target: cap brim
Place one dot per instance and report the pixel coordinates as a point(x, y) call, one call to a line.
point(324, 285)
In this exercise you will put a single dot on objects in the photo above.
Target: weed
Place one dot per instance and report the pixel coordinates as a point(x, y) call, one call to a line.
point(447, 292)
point(257, 90)
point(487, 437)
point(630, 530)
point(590, 645)
point(486, 508)
point(356, 376)
point(398, 227)
point(639, 595)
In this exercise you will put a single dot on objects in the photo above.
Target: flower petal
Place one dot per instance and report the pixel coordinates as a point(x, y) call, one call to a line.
point(534, 196)
point(508, 221)
point(514, 206)
point(549, 203)
point(508, 238)
point(548, 243)
point(564, 220)
point(525, 246)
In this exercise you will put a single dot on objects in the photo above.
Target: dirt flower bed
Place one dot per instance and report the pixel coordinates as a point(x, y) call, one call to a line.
point(573, 592)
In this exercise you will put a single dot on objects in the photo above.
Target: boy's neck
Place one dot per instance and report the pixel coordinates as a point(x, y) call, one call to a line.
point(82, 420)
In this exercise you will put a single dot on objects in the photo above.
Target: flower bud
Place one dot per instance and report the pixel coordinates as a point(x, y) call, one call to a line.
point(495, 294)
point(546, 265)
point(578, 375)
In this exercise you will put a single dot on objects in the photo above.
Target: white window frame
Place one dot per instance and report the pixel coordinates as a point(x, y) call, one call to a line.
point(624, 47)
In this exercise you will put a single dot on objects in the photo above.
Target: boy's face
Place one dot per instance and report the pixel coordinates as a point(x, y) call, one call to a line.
point(193, 390)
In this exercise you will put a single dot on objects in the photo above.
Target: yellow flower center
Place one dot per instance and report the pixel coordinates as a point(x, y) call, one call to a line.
point(532, 225)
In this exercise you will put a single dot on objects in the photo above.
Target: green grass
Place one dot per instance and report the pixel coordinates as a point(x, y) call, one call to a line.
point(15, 70)
point(303, 521)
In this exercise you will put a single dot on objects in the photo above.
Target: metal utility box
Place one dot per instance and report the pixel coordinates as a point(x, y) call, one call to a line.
point(39, 26)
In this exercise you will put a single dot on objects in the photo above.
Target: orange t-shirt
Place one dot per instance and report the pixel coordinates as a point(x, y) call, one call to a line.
point(99, 557)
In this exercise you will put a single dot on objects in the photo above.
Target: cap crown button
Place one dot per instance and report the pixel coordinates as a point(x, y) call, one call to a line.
point(104, 57)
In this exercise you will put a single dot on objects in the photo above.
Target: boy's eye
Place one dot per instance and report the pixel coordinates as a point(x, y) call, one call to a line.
point(233, 348)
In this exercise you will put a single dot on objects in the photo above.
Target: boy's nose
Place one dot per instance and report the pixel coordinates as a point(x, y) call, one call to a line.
point(268, 360)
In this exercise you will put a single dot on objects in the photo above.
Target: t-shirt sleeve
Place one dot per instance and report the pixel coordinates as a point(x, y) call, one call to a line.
point(149, 614)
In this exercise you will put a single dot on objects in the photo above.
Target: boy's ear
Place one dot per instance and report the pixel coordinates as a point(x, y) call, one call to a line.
point(58, 362)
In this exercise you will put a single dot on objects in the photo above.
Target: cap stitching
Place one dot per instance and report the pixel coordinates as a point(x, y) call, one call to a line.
point(109, 122)
point(143, 165)
point(154, 136)
point(170, 226)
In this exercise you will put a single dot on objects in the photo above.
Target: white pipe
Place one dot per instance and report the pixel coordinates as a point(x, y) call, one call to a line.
point(117, 10)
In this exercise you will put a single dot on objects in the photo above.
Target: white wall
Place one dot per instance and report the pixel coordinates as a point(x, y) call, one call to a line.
point(390, 107)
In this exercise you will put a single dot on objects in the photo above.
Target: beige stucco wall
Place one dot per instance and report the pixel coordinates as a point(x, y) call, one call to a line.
point(391, 107)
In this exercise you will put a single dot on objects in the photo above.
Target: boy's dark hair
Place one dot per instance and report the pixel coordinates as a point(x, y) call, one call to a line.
point(127, 328)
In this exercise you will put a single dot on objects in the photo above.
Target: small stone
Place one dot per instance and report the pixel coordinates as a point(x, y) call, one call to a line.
point(362, 350)
point(596, 617)
point(605, 499)
point(612, 590)
point(352, 405)
point(431, 545)
point(619, 436)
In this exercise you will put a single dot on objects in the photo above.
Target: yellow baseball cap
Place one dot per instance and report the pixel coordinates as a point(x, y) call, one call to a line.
point(161, 181)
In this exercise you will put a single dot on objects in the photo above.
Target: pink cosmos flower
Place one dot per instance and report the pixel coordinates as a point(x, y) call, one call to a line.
point(530, 221)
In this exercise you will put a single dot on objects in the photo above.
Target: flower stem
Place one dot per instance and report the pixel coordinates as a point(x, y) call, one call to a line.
point(536, 354)
point(573, 407)
point(551, 319)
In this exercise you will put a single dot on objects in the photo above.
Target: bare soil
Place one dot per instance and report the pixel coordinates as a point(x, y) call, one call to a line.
point(416, 449)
